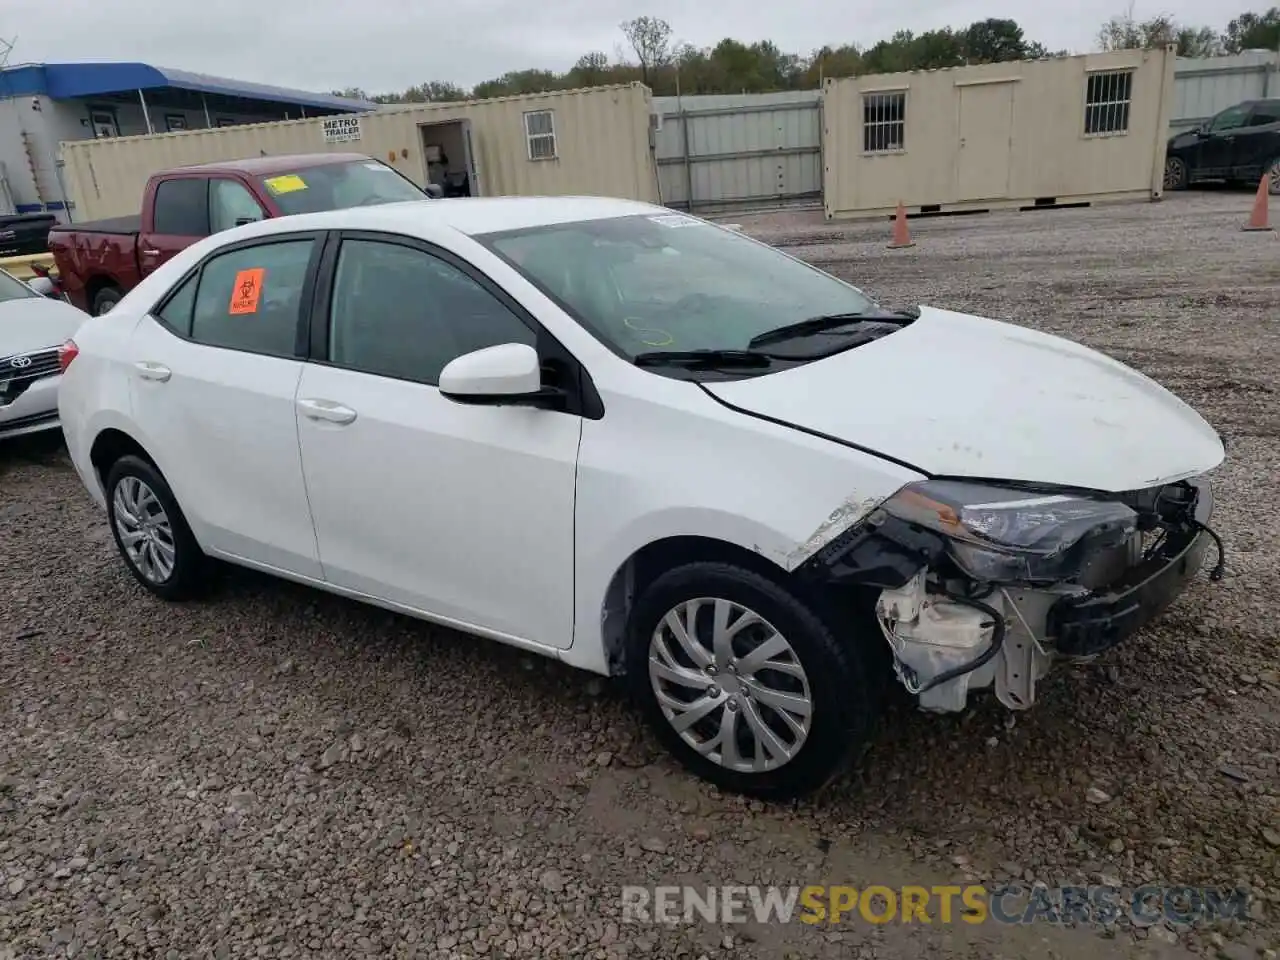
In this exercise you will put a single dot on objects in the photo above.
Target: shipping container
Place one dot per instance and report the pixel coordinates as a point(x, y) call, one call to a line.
point(1028, 133)
point(588, 142)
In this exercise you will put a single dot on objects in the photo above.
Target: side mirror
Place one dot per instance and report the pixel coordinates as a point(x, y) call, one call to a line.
point(434, 191)
point(1202, 132)
point(507, 374)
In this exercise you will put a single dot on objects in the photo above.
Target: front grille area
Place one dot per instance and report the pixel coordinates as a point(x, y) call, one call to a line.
point(16, 375)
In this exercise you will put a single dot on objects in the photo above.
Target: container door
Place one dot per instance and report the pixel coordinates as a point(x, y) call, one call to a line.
point(986, 141)
point(469, 158)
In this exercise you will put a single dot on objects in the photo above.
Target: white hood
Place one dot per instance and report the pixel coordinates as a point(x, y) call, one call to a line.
point(36, 323)
point(957, 395)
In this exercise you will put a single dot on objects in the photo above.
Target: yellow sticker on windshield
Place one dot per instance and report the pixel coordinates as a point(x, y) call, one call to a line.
point(286, 183)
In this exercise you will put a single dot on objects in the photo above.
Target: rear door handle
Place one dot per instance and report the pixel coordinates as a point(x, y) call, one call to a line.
point(327, 411)
point(152, 371)
point(151, 253)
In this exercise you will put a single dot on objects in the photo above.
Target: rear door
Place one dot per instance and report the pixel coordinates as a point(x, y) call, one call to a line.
point(179, 218)
point(1258, 141)
point(215, 369)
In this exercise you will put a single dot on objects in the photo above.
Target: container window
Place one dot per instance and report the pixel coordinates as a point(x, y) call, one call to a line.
point(1106, 101)
point(884, 122)
point(540, 134)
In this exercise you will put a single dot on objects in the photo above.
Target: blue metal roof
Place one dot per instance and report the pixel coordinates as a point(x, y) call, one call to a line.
point(62, 81)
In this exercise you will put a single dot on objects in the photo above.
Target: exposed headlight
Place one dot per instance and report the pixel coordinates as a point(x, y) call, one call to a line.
point(1001, 534)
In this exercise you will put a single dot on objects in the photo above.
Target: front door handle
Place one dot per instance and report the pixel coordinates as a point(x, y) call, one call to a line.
point(327, 411)
point(152, 371)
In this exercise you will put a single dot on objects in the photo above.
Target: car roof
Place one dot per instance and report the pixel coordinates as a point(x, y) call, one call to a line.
point(472, 216)
point(255, 166)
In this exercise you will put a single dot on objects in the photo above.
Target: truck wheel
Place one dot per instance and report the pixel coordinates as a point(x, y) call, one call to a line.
point(106, 298)
point(745, 683)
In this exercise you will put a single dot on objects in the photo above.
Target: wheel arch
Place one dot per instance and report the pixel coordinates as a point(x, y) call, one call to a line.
point(653, 559)
point(109, 446)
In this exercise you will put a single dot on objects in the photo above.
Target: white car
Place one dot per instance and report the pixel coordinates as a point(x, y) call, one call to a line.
point(32, 329)
point(645, 445)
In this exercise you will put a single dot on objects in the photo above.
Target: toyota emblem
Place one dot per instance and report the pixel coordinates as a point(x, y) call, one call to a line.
point(20, 362)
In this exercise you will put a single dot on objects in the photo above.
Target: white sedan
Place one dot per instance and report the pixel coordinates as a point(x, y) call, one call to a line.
point(32, 328)
point(645, 445)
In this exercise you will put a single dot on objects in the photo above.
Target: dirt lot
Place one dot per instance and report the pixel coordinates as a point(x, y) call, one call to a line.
point(278, 773)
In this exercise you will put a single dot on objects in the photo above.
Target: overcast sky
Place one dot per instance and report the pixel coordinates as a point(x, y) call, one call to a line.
point(392, 44)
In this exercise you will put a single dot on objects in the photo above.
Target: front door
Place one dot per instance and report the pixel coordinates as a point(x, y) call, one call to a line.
point(1217, 154)
point(1257, 142)
point(213, 383)
point(469, 158)
point(986, 131)
point(459, 511)
point(179, 217)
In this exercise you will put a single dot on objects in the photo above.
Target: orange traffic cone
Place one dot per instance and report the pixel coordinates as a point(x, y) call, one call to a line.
point(901, 235)
point(1258, 218)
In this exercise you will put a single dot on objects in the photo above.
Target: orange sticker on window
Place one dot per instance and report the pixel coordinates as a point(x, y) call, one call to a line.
point(246, 291)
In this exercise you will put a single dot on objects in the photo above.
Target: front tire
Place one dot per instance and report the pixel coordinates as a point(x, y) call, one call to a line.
point(1273, 177)
point(150, 531)
point(1176, 176)
point(745, 683)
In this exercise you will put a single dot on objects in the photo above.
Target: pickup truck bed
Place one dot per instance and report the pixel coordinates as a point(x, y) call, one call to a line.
point(125, 226)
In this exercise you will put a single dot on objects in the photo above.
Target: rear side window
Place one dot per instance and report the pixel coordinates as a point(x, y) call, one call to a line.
point(1265, 113)
point(182, 207)
point(249, 299)
point(176, 313)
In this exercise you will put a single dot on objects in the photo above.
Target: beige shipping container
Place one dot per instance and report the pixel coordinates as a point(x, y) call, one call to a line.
point(1036, 132)
point(593, 141)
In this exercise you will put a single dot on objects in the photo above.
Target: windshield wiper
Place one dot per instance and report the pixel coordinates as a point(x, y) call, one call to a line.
point(828, 321)
point(706, 359)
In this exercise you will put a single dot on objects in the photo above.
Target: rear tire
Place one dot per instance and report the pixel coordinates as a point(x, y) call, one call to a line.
point(1273, 177)
point(792, 716)
point(105, 299)
point(151, 533)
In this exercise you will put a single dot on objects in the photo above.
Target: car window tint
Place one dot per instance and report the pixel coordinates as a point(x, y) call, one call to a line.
point(231, 202)
point(1229, 119)
point(400, 312)
point(249, 299)
point(181, 207)
point(176, 313)
point(1264, 114)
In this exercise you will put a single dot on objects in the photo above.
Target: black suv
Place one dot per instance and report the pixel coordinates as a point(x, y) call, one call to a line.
point(1240, 144)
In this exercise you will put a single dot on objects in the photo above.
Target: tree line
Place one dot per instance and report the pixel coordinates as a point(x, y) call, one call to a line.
point(652, 56)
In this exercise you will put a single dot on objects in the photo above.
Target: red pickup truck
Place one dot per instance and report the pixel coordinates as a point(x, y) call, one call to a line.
point(102, 260)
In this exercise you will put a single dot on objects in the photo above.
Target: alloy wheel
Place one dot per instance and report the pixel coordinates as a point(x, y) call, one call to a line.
point(1174, 173)
point(730, 685)
point(146, 533)
point(1273, 178)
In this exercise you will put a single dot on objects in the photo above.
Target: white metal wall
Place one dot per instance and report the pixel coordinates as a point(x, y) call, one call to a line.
point(740, 150)
point(1202, 87)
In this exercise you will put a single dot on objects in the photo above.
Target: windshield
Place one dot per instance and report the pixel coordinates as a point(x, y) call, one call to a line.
point(336, 186)
point(671, 282)
point(14, 289)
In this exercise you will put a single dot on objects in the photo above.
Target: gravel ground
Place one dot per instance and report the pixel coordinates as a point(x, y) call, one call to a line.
point(278, 773)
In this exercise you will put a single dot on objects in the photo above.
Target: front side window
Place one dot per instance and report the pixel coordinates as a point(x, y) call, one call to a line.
point(400, 312)
point(231, 204)
point(249, 299)
point(13, 289)
point(671, 282)
point(181, 207)
point(338, 186)
point(1230, 119)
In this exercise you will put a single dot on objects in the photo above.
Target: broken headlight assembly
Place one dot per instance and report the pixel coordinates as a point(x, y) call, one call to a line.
point(1005, 535)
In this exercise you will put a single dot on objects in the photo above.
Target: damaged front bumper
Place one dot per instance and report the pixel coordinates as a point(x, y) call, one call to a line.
point(951, 632)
